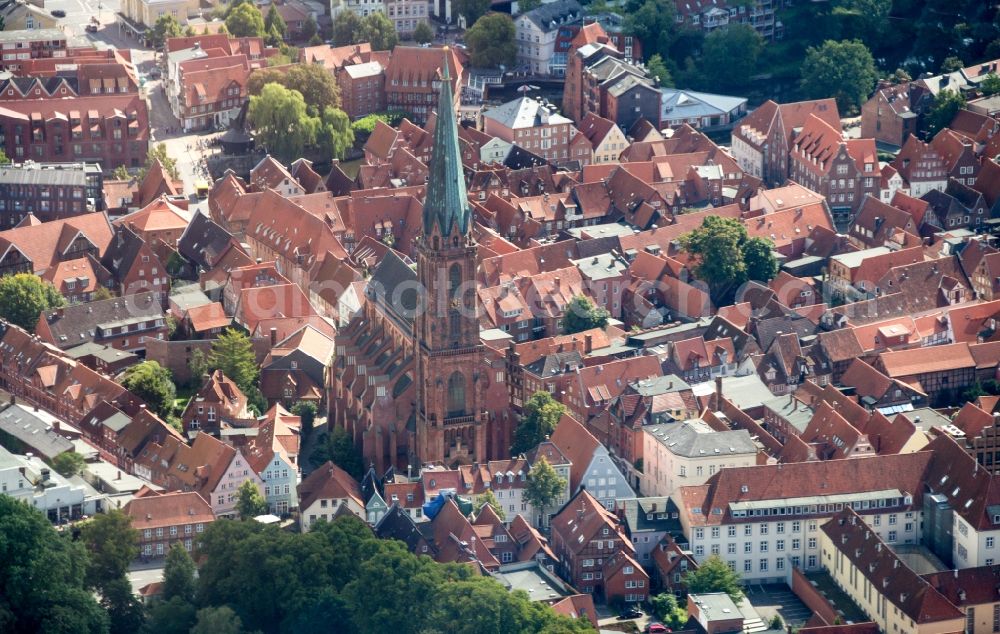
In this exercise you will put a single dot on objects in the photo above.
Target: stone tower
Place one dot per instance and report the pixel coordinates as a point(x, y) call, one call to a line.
point(450, 422)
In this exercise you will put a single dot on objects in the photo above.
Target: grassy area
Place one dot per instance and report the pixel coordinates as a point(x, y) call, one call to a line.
point(184, 395)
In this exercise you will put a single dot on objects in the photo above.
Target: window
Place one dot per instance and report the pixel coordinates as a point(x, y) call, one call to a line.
point(456, 394)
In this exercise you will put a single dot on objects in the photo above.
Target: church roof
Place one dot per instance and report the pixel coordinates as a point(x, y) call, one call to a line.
point(446, 202)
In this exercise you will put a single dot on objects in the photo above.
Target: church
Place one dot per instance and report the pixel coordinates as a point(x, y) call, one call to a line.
point(411, 374)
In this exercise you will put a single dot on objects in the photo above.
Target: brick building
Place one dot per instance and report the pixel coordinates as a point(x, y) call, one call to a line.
point(49, 192)
point(842, 170)
point(532, 125)
point(87, 118)
point(21, 45)
point(165, 519)
point(584, 534)
point(362, 89)
point(412, 77)
point(890, 116)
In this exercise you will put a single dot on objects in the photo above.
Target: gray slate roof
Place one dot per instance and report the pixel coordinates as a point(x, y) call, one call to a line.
point(695, 439)
point(34, 429)
point(551, 16)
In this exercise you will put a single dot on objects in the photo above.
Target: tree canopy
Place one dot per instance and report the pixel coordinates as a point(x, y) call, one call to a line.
point(946, 105)
point(68, 463)
point(472, 10)
point(726, 257)
point(112, 543)
point(251, 502)
point(283, 126)
point(232, 352)
point(178, 574)
point(581, 314)
point(729, 56)
point(714, 575)
point(540, 417)
point(488, 499)
point(844, 70)
point(491, 41)
point(544, 486)
point(423, 33)
point(316, 85)
point(275, 24)
point(658, 68)
point(153, 384)
point(23, 298)
point(259, 572)
point(166, 27)
point(42, 585)
point(339, 448)
point(245, 20)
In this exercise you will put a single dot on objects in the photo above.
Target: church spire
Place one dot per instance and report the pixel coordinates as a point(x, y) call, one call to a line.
point(446, 202)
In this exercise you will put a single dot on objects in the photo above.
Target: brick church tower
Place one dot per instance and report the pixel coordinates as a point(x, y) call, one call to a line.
point(451, 426)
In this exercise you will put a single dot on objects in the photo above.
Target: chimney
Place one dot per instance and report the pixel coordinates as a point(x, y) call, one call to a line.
point(557, 281)
point(274, 336)
point(588, 343)
point(718, 391)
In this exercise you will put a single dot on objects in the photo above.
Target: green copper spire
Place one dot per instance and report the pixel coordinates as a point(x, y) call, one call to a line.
point(446, 203)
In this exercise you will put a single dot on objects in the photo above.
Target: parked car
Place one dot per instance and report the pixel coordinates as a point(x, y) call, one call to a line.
point(59, 13)
point(630, 613)
point(657, 628)
point(91, 28)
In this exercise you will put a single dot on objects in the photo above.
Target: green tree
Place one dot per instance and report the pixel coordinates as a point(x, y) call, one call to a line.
point(166, 27)
point(101, 293)
point(220, 620)
point(112, 543)
point(153, 384)
point(347, 27)
point(990, 84)
point(654, 22)
point(197, 366)
point(489, 499)
point(951, 64)
point(68, 463)
point(23, 297)
point(945, 106)
point(251, 502)
point(759, 260)
point(42, 576)
point(714, 575)
point(121, 174)
point(275, 23)
point(523, 6)
point(335, 136)
point(340, 449)
point(666, 609)
point(491, 41)
point(844, 70)
point(189, 31)
point(379, 30)
point(424, 33)
point(543, 487)
point(245, 20)
point(178, 574)
point(310, 29)
point(475, 9)
point(581, 314)
point(174, 616)
point(900, 76)
point(539, 420)
point(124, 609)
point(315, 83)
point(658, 68)
point(232, 352)
point(306, 411)
point(729, 56)
point(159, 153)
point(283, 126)
point(869, 17)
point(4, 159)
point(726, 257)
